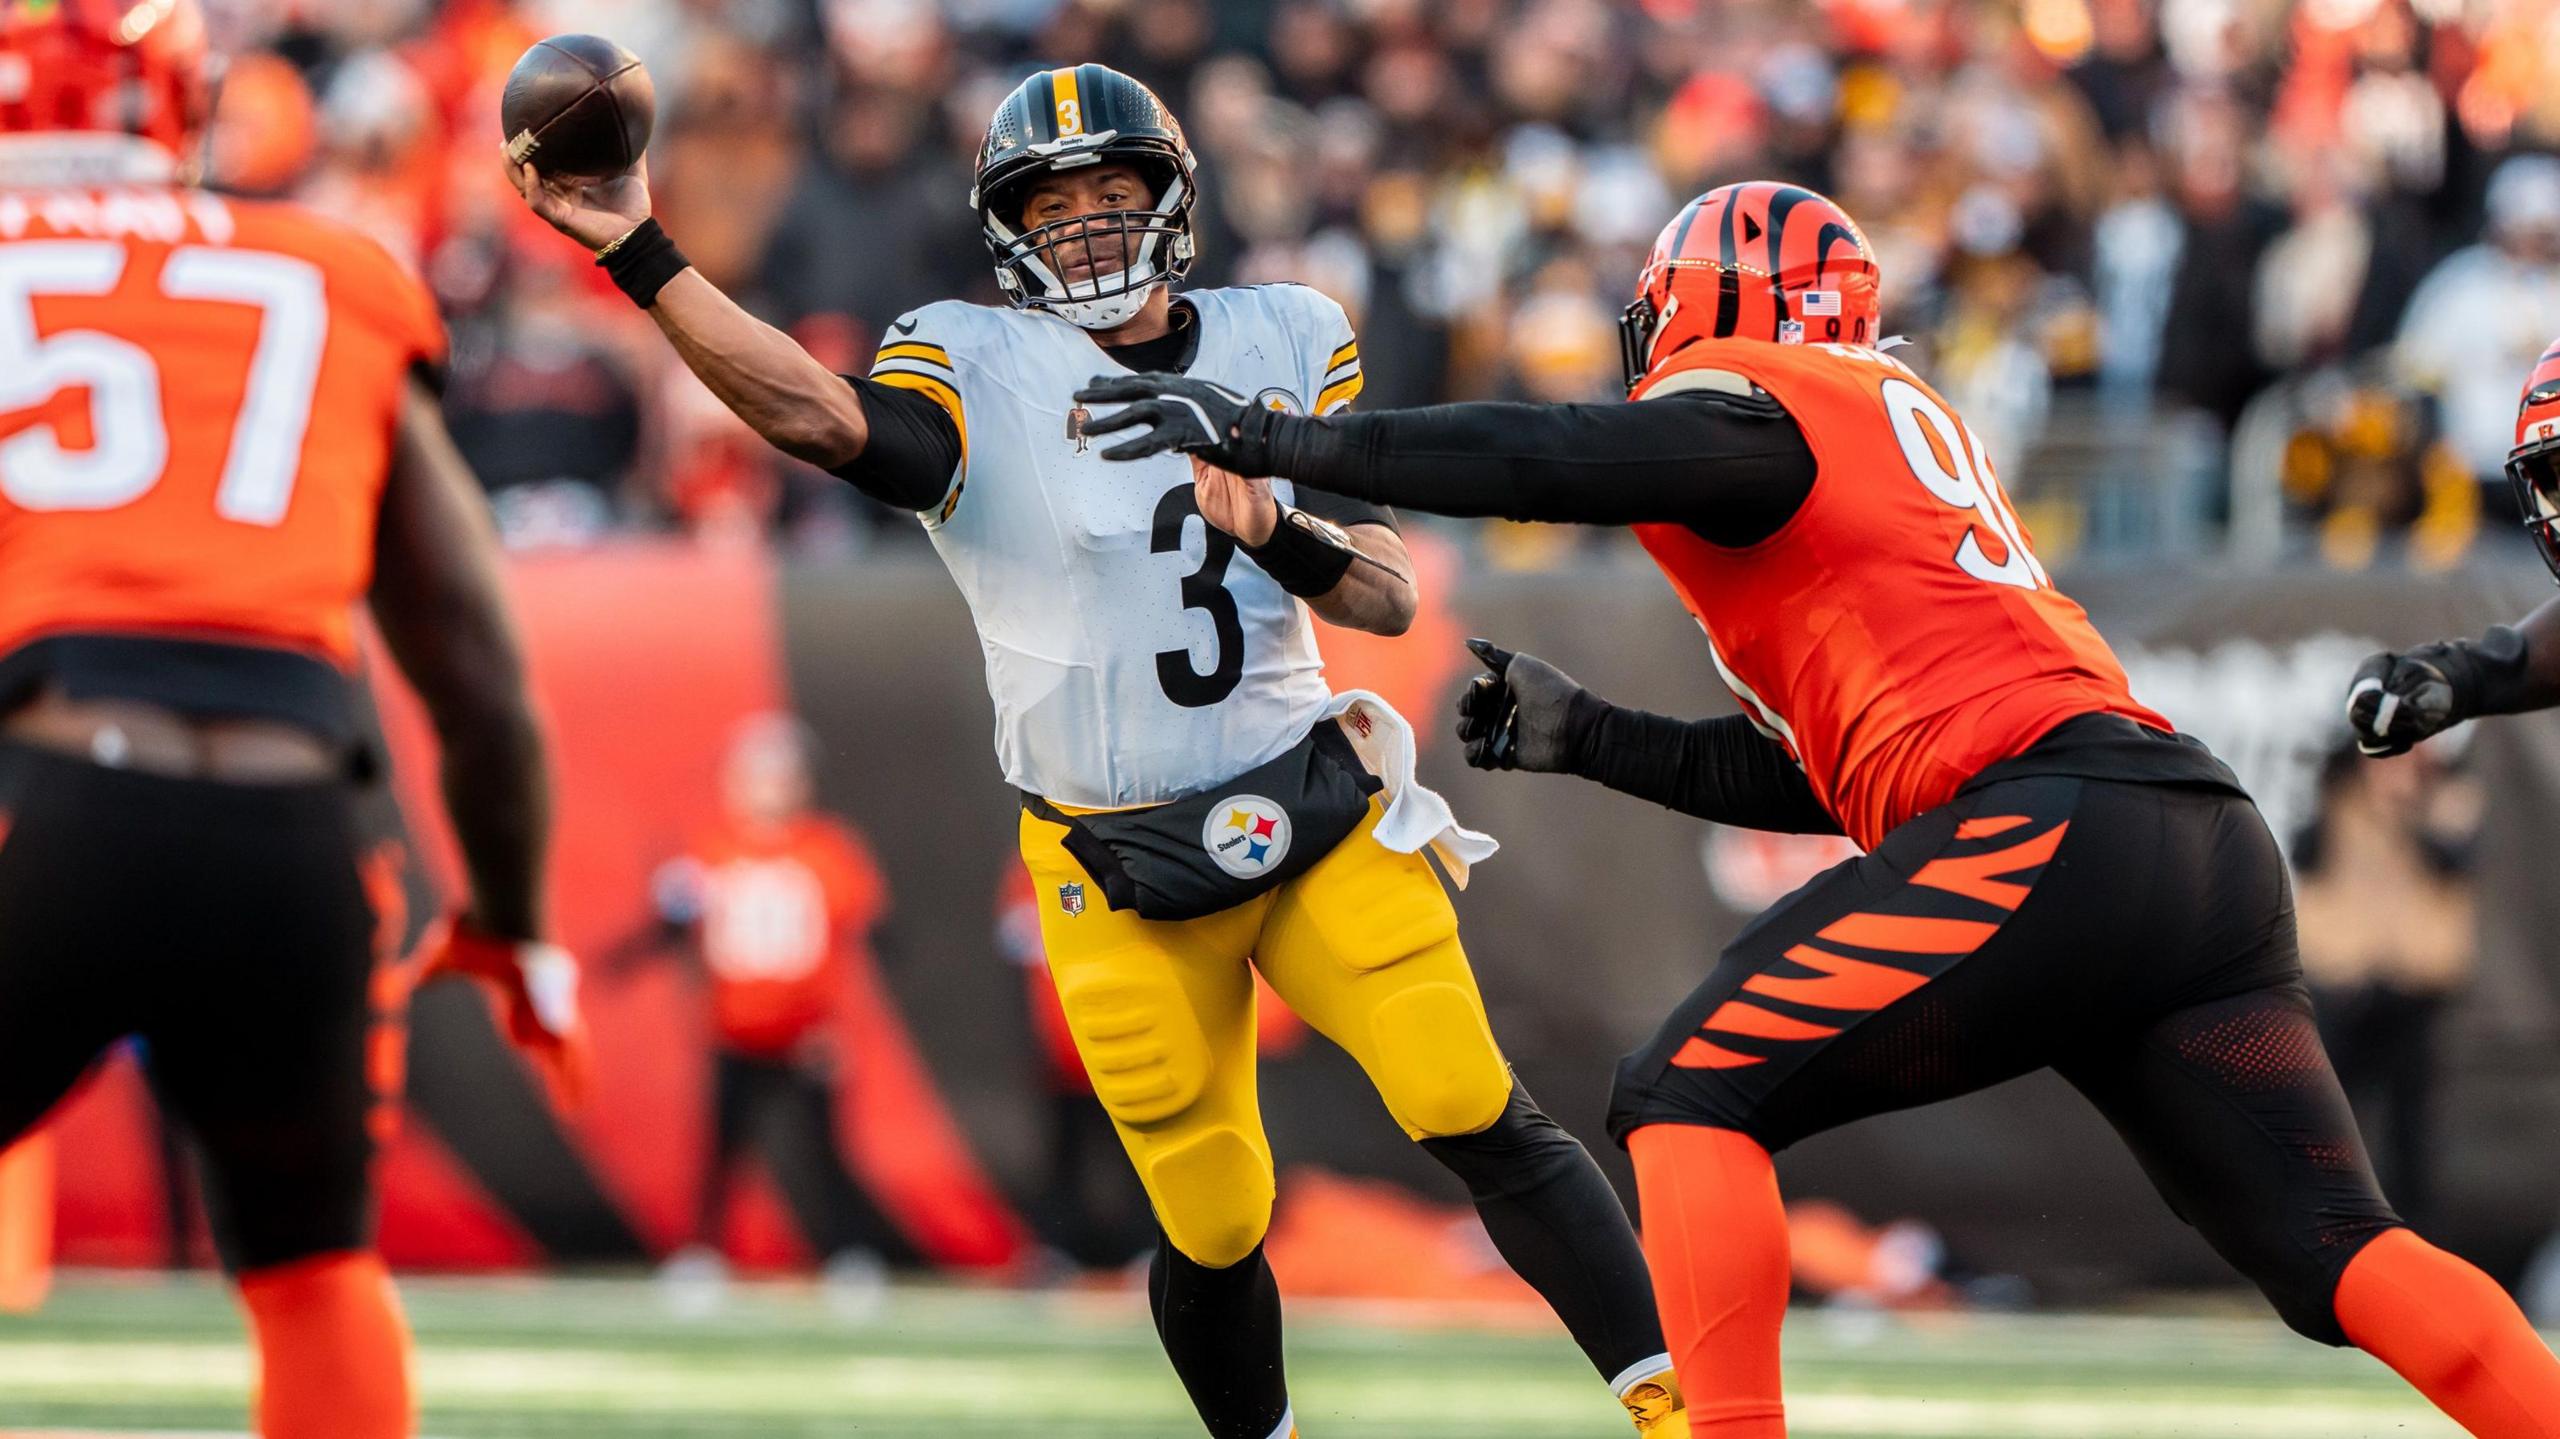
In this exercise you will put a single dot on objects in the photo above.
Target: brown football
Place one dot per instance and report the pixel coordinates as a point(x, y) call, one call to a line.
point(578, 105)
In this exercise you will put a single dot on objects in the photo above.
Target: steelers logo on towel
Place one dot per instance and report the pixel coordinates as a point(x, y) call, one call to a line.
point(1246, 834)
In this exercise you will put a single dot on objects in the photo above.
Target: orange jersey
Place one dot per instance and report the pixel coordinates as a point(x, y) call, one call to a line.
point(776, 907)
point(198, 398)
point(1897, 634)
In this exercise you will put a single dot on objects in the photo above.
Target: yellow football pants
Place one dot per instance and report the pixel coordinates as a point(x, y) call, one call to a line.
point(1364, 946)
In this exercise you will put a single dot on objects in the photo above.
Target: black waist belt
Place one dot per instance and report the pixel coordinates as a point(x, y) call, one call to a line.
point(1223, 846)
point(209, 678)
point(2115, 747)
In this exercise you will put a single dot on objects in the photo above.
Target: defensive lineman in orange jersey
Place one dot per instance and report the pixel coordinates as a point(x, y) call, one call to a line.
point(215, 443)
point(2054, 877)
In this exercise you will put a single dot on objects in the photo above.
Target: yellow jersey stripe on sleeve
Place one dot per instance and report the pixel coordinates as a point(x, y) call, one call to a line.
point(1338, 394)
point(1349, 351)
point(913, 350)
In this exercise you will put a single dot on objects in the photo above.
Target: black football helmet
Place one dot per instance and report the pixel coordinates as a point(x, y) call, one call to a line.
point(1067, 119)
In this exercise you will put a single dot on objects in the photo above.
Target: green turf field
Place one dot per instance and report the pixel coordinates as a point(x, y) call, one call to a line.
point(600, 1357)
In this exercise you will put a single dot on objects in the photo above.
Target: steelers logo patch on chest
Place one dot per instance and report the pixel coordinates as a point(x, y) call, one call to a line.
point(1247, 835)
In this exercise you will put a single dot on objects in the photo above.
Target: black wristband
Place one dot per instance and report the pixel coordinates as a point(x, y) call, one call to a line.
point(1307, 556)
point(2498, 678)
point(641, 263)
point(1584, 716)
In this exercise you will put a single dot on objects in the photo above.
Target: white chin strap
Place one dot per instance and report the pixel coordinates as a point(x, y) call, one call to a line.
point(1108, 314)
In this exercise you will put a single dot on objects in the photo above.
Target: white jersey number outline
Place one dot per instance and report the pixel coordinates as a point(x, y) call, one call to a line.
point(1958, 473)
point(129, 451)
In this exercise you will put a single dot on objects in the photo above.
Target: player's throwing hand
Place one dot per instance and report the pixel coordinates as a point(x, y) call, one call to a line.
point(2399, 699)
point(595, 213)
point(1527, 714)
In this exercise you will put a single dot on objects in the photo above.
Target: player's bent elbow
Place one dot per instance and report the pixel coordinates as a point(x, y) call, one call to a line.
point(822, 440)
point(1392, 612)
point(1387, 609)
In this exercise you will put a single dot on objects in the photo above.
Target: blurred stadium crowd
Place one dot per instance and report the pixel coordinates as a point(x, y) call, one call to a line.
point(2203, 272)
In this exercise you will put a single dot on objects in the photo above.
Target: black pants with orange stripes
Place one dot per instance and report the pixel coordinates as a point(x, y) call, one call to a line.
point(2137, 938)
point(229, 927)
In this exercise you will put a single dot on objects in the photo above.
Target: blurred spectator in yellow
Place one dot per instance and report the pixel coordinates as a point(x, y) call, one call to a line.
point(2367, 462)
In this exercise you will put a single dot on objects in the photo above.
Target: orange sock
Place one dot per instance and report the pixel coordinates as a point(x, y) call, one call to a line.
point(333, 1350)
point(1715, 1234)
point(2450, 1330)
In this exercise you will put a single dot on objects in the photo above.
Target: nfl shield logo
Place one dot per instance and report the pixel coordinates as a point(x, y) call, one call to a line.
point(1071, 899)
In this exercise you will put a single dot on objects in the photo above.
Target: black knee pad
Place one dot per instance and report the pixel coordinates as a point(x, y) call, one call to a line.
point(1521, 1150)
point(2304, 1288)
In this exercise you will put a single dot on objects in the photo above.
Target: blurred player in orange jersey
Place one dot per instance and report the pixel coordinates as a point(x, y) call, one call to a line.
point(2054, 878)
point(776, 896)
point(218, 440)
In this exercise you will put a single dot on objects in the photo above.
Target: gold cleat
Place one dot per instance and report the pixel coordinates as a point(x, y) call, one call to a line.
point(1654, 1403)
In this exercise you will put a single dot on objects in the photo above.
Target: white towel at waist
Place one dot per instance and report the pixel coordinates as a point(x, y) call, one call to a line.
point(1416, 814)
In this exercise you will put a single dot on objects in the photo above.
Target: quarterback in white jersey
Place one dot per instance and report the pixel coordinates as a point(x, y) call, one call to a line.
point(1132, 659)
point(1196, 803)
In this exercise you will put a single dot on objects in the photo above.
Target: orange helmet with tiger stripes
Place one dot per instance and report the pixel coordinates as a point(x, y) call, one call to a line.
point(2533, 466)
point(126, 67)
point(1762, 260)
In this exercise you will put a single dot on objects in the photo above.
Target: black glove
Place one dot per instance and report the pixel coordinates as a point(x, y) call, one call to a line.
point(1192, 416)
point(2396, 700)
point(1527, 714)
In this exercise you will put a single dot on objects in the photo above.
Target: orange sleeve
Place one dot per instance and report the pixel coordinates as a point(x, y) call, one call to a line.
point(858, 891)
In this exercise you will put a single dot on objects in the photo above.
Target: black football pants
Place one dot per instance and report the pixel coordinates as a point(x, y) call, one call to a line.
point(2136, 938)
point(229, 927)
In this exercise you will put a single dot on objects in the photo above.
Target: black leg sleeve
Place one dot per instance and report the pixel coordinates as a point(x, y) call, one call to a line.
point(1221, 1329)
point(2237, 1117)
point(833, 1209)
point(729, 1117)
point(1559, 1226)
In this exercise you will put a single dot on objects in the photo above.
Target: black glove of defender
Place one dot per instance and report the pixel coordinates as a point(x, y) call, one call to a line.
point(1192, 416)
point(2399, 699)
point(1527, 714)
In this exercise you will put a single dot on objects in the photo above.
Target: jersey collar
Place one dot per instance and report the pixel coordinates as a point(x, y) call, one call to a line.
point(53, 160)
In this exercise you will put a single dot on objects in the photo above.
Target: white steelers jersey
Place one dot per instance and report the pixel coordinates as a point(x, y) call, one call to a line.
point(1133, 655)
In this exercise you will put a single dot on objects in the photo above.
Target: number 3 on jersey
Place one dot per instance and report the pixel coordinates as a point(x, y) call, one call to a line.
point(128, 450)
point(1203, 589)
point(1949, 461)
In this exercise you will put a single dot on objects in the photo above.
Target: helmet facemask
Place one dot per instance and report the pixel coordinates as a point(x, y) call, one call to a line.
point(2534, 469)
point(1124, 254)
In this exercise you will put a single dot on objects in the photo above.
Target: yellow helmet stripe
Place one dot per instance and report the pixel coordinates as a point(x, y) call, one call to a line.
point(1062, 89)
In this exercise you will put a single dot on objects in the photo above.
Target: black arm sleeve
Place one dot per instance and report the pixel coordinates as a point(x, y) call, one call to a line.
point(1732, 467)
point(1346, 511)
point(913, 448)
point(1723, 770)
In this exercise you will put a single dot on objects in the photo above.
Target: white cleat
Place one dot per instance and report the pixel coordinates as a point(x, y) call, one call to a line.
point(694, 1282)
point(855, 1284)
